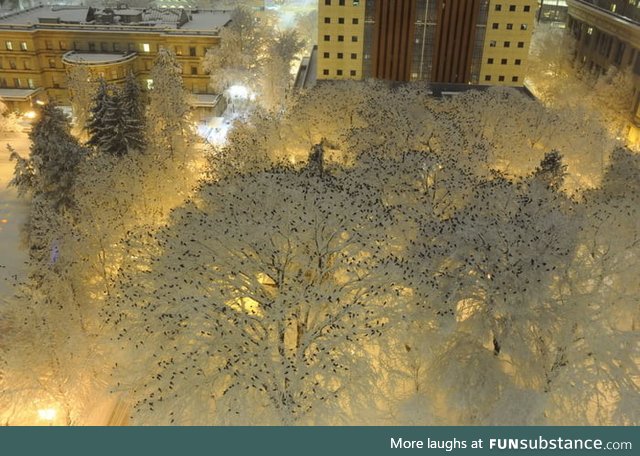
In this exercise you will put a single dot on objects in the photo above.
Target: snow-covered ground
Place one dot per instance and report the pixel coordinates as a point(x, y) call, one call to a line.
point(13, 212)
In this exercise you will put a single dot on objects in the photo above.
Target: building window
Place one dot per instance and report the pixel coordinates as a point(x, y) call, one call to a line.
point(327, 2)
point(512, 8)
point(3, 82)
point(495, 26)
point(490, 61)
point(527, 8)
point(524, 26)
point(354, 56)
point(340, 55)
point(352, 72)
point(12, 64)
point(327, 20)
point(146, 47)
point(354, 39)
point(48, 45)
point(613, 7)
point(327, 37)
point(518, 61)
point(23, 45)
point(103, 47)
point(326, 55)
point(356, 2)
point(194, 70)
point(498, 8)
point(62, 45)
point(192, 51)
point(487, 78)
point(178, 50)
point(17, 83)
point(509, 26)
point(8, 45)
point(52, 63)
point(339, 72)
point(325, 72)
point(492, 43)
point(25, 65)
point(116, 47)
point(520, 44)
point(341, 20)
point(507, 44)
point(500, 78)
point(503, 61)
point(341, 2)
point(340, 37)
point(590, 31)
point(92, 47)
point(148, 84)
point(354, 21)
point(514, 79)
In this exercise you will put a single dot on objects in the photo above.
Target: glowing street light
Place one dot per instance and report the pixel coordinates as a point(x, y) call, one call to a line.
point(48, 414)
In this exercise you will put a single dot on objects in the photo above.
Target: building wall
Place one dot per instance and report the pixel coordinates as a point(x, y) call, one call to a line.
point(33, 58)
point(508, 37)
point(449, 41)
point(340, 39)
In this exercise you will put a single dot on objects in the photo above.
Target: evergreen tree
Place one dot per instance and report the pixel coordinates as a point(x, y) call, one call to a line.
point(55, 155)
point(551, 170)
point(95, 126)
point(121, 133)
point(134, 109)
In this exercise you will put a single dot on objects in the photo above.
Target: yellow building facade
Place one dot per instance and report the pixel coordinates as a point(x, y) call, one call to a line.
point(449, 42)
point(38, 46)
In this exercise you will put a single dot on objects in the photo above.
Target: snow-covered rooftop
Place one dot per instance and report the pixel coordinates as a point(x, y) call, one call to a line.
point(152, 19)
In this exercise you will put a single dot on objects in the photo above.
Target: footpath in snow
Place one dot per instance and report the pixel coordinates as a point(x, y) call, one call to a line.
point(13, 213)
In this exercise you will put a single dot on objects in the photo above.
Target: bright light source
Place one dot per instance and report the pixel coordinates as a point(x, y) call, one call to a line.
point(239, 91)
point(30, 115)
point(47, 414)
point(40, 102)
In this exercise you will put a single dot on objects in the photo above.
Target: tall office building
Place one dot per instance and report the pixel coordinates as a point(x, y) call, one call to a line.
point(444, 41)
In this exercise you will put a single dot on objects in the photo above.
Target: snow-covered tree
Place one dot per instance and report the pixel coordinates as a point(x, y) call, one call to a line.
point(96, 129)
point(169, 126)
point(276, 70)
point(53, 159)
point(82, 90)
point(280, 293)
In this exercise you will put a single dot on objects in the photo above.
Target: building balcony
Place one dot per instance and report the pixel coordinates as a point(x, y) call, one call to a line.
point(101, 59)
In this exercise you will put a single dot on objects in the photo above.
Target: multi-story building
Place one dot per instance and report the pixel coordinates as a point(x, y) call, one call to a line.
point(446, 41)
point(38, 45)
point(607, 34)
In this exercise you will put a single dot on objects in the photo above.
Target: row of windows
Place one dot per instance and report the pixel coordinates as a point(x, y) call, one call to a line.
point(9, 45)
point(354, 38)
point(512, 8)
point(494, 43)
point(342, 2)
point(505, 61)
point(501, 78)
point(17, 83)
point(496, 26)
point(339, 72)
point(104, 47)
point(354, 21)
point(339, 55)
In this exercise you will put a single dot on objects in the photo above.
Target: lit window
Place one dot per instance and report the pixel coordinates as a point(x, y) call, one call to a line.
point(356, 2)
point(613, 7)
point(8, 45)
point(149, 83)
point(492, 43)
point(524, 26)
point(146, 47)
point(31, 84)
point(23, 45)
point(589, 30)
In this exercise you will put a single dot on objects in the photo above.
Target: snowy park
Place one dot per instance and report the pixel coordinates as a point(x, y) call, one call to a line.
point(359, 254)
